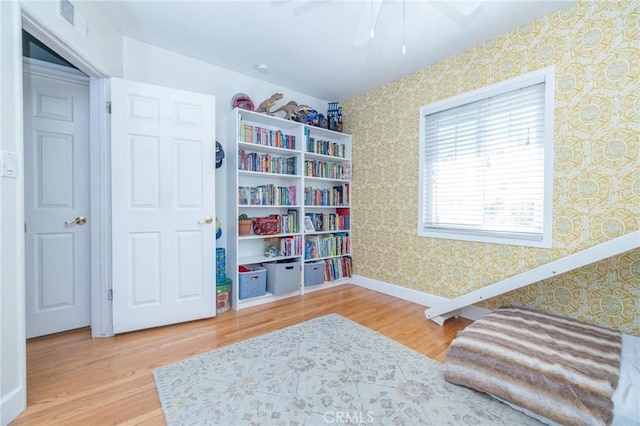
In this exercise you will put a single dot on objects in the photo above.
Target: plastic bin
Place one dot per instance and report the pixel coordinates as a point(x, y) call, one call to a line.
point(253, 282)
point(223, 296)
point(282, 277)
point(313, 273)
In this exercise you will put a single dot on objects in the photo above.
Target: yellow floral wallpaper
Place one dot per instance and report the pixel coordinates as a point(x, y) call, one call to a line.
point(595, 47)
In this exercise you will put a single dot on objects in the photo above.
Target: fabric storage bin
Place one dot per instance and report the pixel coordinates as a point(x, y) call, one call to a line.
point(282, 277)
point(265, 226)
point(252, 282)
point(313, 273)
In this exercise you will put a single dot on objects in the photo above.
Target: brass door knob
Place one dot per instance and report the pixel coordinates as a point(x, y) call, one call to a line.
point(80, 220)
point(207, 220)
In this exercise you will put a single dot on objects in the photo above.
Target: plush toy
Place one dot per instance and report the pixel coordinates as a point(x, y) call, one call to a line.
point(219, 155)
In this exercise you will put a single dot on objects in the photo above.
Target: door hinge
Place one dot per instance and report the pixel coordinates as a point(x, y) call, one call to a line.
point(109, 294)
point(109, 107)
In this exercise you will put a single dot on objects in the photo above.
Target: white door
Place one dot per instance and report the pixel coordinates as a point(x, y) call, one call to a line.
point(56, 162)
point(163, 194)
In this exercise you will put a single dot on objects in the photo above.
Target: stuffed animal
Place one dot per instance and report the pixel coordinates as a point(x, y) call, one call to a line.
point(219, 155)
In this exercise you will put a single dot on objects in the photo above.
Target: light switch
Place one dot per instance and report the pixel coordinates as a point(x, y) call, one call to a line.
point(8, 164)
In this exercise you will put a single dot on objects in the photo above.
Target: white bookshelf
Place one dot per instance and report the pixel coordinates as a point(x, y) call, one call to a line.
point(294, 139)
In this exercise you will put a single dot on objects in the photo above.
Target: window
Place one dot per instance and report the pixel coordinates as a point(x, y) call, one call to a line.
point(486, 161)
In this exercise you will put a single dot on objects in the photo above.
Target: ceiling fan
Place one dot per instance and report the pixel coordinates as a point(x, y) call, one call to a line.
point(460, 12)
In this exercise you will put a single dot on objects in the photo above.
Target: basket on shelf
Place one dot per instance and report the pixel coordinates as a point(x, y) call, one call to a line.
point(265, 226)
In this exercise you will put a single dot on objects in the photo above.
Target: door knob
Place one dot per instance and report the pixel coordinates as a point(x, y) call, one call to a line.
point(207, 220)
point(80, 220)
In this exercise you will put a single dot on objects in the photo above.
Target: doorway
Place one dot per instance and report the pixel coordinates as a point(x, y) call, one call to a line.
point(57, 228)
point(97, 249)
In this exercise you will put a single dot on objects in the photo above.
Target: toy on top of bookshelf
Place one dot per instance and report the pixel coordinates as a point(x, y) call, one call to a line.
point(291, 109)
point(307, 115)
point(265, 106)
point(242, 101)
point(334, 116)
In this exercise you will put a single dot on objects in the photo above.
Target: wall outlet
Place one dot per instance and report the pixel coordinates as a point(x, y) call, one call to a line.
point(8, 164)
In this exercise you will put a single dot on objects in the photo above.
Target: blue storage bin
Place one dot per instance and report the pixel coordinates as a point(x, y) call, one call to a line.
point(283, 277)
point(313, 273)
point(252, 283)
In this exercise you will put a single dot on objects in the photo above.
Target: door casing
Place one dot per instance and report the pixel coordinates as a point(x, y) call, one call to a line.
point(99, 175)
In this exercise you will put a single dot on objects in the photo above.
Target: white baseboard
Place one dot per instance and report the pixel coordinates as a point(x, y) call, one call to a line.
point(425, 299)
point(12, 404)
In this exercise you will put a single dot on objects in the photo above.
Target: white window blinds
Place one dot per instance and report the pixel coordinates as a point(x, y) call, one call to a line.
point(483, 166)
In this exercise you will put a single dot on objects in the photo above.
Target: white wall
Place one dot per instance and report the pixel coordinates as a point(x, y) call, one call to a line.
point(103, 48)
point(12, 340)
point(151, 64)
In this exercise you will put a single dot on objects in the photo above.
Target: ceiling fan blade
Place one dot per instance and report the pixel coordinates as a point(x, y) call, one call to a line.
point(308, 6)
point(459, 12)
point(369, 14)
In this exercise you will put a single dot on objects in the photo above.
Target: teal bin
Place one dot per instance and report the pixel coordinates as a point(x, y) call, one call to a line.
point(221, 265)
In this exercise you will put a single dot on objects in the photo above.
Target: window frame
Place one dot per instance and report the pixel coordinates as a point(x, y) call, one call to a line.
point(546, 76)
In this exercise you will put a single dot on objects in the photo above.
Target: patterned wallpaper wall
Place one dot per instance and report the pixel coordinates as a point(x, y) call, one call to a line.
point(595, 47)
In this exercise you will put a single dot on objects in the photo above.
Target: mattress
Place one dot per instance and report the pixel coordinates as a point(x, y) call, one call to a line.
point(626, 397)
point(552, 368)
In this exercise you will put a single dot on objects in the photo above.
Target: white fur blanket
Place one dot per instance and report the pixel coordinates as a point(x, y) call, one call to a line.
point(559, 368)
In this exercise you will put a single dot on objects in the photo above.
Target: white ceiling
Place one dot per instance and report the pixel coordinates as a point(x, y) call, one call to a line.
point(322, 48)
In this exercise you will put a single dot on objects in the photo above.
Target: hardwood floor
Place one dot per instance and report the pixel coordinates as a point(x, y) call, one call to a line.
point(75, 380)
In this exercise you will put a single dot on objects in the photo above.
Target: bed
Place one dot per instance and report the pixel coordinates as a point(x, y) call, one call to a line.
point(558, 370)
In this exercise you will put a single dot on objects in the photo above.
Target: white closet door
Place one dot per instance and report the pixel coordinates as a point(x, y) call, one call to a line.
point(56, 147)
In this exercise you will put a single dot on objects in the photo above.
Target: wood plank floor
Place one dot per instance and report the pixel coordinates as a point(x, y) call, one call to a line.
point(75, 380)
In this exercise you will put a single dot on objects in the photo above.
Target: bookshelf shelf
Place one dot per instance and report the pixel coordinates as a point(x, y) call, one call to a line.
point(279, 176)
point(280, 170)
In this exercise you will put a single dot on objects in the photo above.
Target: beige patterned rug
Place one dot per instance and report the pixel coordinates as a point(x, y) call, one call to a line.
point(329, 370)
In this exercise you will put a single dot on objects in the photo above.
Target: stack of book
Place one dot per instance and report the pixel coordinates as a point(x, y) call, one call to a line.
point(262, 136)
point(335, 269)
point(324, 147)
point(266, 163)
point(317, 246)
point(338, 195)
point(329, 221)
point(267, 195)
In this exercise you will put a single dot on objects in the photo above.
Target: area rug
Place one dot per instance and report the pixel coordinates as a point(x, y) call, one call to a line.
point(329, 370)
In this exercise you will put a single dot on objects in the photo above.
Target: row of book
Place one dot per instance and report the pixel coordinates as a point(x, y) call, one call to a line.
point(337, 268)
point(324, 147)
point(267, 195)
point(325, 169)
point(287, 223)
point(266, 163)
point(329, 221)
point(262, 136)
point(284, 246)
point(338, 195)
point(317, 246)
